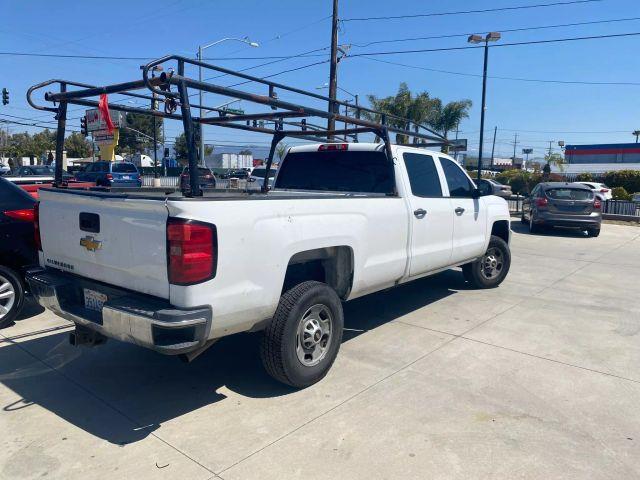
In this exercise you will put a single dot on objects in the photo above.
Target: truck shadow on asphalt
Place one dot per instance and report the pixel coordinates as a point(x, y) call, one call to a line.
point(122, 393)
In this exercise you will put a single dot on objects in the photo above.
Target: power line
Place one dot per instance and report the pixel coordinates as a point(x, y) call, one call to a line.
point(518, 79)
point(501, 30)
point(467, 12)
point(496, 45)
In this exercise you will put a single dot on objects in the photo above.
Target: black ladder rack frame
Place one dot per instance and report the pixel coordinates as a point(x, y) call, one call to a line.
point(160, 88)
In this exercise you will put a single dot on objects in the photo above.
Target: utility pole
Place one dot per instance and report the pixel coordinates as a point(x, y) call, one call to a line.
point(550, 147)
point(455, 154)
point(333, 68)
point(515, 143)
point(493, 148)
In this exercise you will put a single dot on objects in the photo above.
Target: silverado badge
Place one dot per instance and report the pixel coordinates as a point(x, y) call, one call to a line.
point(90, 243)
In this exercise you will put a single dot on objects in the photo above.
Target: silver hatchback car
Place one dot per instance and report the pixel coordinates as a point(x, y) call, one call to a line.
point(559, 204)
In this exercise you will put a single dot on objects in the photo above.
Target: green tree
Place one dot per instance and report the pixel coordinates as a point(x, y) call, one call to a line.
point(584, 177)
point(180, 147)
point(281, 151)
point(246, 151)
point(133, 142)
point(449, 117)
point(77, 146)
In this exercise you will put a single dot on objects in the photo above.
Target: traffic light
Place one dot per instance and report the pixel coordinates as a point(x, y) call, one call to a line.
point(83, 126)
point(5, 96)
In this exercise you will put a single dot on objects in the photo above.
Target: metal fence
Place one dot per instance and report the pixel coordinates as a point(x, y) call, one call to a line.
point(221, 183)
point(147, 181)
point(609, 207)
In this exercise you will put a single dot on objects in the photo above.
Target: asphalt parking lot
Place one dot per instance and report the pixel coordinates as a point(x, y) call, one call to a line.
point(539, 378)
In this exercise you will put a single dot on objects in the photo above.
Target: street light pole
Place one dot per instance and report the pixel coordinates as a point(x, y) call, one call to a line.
point(491, 37)
point(201, 48)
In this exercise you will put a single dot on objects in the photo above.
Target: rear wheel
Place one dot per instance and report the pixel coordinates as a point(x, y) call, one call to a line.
point(593, 232)
point(491, 269)
point(302, 341)
point(533, 228)
point(11, 296)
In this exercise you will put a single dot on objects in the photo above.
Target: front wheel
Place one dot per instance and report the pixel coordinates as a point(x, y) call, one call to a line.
point(302, 341)
point(593, 232)
point(11, 296)
point(491, 269)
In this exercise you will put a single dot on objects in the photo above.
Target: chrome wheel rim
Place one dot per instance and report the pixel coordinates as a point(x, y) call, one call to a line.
point(7, 296)
point(315, 332)
point(492, 263)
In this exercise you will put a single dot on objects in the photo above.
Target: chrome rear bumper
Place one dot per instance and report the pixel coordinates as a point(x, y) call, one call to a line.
point(127, 316)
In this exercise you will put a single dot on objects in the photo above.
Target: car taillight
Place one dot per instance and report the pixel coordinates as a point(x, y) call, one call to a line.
point(191, 251)
point(597, 204)
point(542, 202)
point(109, 176)
point(329, 147)
point(604, 190)
point(26, 215)
point(36, 226)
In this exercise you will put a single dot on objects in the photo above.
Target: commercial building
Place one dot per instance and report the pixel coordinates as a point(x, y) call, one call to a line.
point(600, 158)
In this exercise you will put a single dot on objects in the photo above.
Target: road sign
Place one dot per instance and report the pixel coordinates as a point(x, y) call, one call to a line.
point(233, 111)
point(95, 121)
point(527, 151)
point(103, 137)
point(459, 145)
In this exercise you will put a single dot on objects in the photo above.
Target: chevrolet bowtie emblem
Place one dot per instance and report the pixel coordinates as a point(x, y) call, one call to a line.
point(90, 243)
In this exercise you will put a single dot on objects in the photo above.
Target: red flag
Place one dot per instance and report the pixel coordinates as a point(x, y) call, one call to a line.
point(103, 106)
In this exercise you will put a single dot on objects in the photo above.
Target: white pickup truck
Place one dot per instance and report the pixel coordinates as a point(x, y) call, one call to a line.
point(174, 274)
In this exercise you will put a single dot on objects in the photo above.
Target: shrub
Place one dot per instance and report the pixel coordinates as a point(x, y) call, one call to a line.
point(628, 179)
point(620, 193)
point(584, 177)
point(521, 182)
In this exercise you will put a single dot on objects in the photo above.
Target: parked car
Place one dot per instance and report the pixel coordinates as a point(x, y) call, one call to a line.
point(558, 204)
point(206, 179)
point(600, 189)
point(240, 173)
point(491, 187)
point(258, 174)
point(29, 172)
point(635, 197)
point(4, 169)
point(111, 174)
point(341, 222)
point(17, 247)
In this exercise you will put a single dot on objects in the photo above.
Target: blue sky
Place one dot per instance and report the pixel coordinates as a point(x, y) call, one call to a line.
point(539, 112)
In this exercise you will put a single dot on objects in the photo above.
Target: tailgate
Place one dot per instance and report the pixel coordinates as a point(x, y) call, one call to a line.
point(113, 239)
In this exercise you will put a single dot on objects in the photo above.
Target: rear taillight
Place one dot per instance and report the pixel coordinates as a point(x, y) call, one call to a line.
point(36, 226)
point(191, 251)
point(26, 215)
point(604, 190)
point(597, 204)
point(332, 147)
point(109, 176)
point(542, 202)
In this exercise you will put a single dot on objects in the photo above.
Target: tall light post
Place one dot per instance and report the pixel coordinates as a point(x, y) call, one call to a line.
point(356, 99)
point(201, 48)
point(490, 37)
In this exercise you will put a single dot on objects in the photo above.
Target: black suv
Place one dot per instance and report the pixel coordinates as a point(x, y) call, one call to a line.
point(206, 179)
point(17, 247)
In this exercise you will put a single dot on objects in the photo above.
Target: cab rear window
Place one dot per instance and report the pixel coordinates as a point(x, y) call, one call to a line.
point(337, 171)
point(569, 194)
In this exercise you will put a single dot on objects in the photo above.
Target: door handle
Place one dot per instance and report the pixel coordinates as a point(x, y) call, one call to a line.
point(420, 213)
point(459, 211)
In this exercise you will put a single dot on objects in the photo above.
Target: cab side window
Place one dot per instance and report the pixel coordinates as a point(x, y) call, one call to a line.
point(458, 182)
point(423, 175)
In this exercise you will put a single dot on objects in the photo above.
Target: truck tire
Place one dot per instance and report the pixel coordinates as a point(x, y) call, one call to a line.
point(302, 340)
point(11, 296)
point(491, 269)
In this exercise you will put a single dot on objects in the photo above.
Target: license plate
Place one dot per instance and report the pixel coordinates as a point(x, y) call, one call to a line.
point(94, 300)
point(126, 177)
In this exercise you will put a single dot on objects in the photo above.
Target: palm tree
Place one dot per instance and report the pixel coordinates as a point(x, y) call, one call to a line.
point(418, 109)
point(450, 116)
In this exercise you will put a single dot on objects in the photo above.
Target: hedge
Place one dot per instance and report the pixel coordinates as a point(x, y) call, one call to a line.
point(627, 179)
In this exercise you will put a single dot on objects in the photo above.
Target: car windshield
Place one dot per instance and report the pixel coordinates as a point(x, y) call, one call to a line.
point(43, 170)
point(569, 194)
point(260, 173)
point(124, 168)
